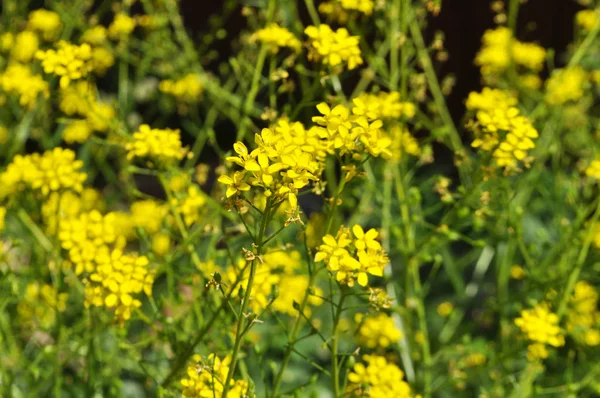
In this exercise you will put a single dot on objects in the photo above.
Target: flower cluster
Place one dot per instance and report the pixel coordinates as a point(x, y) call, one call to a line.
point(540, 326)
point(188, 203)
point(377, 331)
point(364, 6)
point(353, 133)
point(351, 259)
point(121, 27)
point(499, 49)
point(276, 271)
point(276, 37)
point(377, 377)
point(25, 46)
point(20, 80)
point(188, 89)
point(206, 378)
point(117, 278)
point(68, 204)
point(46, 22)
point(281, 166)
point(383, 106)
point(40, 306)
point(565, 85)
point(334, 48)
point(54, 170)
point(593, 170)
point(80, 99)
point(583, 317)
point(403, 142)
point(163, 145)
point(69, 61)
point(148, 214)
point(500, 127)
point(587, 19)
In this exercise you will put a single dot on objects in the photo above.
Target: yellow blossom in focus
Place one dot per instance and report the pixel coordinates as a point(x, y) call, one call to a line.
point(69, 61)
point(334, 48)
point(117, 280)
point(276, 37)
point(121, 27)
point(565, 85)
point(25, 46)
point(46, 22)
point(160, 144)
point(540, 325)
point(205, 379)
point(377, 331)
point(374, 377)
point(188, 89)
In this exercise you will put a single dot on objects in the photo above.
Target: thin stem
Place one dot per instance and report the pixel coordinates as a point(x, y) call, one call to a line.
point(241, 327)
point(335, 368)
point(513, 13)
point(260, 62)
point(312, 11)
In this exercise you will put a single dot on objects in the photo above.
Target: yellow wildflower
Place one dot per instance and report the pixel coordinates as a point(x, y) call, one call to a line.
point(95, 35)
point(149, 215)
point(46, 22)
point(541, 326)
point(188, 89)
point(517, 272)
point(163, 145)
point(377, 331)
point(102, 59)
point(364, 6)
point(334, 48)
point(25, 46)
point(205, 378)
point(587, 19)
point(77, 131)
point(20, 80)
point(2, 217)
point(161, 244)
point(40, 305)
point(121, 27)
point(276, 37)
point(445, 309)
point(565, 85)
point(69, 61)
point(376, 377)
point(117, 279)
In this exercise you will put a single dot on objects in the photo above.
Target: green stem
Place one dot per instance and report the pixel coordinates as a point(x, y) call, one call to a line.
point(335, 368)
point(574, 275)
point(260, 62)
point(393, 38)
point(312, 11)
point(241, 327)
point(513, 13)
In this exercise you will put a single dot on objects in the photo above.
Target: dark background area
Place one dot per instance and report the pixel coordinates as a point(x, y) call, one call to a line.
point(547, 22)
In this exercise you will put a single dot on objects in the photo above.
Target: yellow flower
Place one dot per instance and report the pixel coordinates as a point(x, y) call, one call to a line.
point(161, 244)
point(149, 215)
point(205, 379)
point(95, 35)
point(587, 19)
point(537, 351)
point(40, 305)
point(47, 22)
point(235, 184)
point(188, 89)
point(541, 326)
point(565, 85)
point(102, 59)
point(69, 61)
point(445, 309)
point(7, 41)
point(364, 6)
point(276, 37)
point(163, 145)
point(116, 281)
point(529, 55)
point(517, 272)
point(54, 170)
point(334, 48)
point(121, 27)
point(376, 377)
point(77, 131)
point(377, 331)
point(20, 80)
point(292, 289)
point(25, 46)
